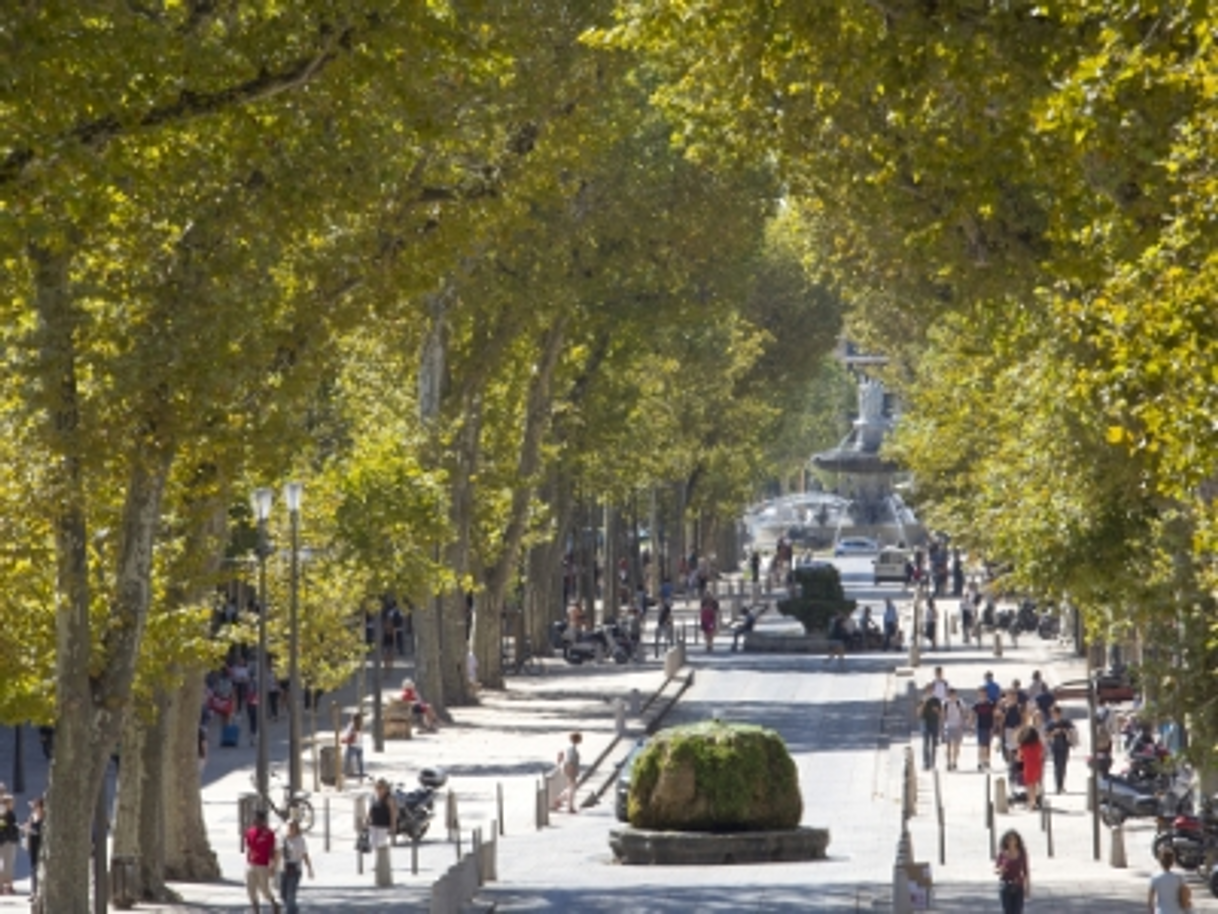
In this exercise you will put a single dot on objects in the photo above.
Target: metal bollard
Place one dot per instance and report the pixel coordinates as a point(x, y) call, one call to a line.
point(537, 801)
point(1049, 829)
point(619, 716)
point(499, 805)
point(414, 854)
point(476, 849)
point(997, 644)
point(325, 822)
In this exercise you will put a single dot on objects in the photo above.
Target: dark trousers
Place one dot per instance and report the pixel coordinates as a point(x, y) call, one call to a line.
point(289, 882)
point(1011, 895)
point(890, 632)
point(930, 745)
point(1059, 765)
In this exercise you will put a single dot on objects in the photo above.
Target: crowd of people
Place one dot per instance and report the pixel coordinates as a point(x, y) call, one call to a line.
point(1022, 725)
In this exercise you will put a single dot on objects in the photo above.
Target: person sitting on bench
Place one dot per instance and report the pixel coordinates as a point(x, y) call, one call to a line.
point(746, 624)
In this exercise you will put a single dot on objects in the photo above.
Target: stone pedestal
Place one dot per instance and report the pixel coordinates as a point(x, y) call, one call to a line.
point(675, 848)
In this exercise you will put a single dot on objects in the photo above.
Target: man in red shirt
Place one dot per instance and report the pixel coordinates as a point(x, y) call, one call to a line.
point(259, 858)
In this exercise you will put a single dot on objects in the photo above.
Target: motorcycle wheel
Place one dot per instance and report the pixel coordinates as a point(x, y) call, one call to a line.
point(620, 656)
point(1112, 816)
point(416, 830)
point(1160, 842)
point(572, 657)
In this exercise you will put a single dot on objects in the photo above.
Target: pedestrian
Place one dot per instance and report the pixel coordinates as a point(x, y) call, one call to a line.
point(930, 712)
point(252, 709)
point(272, 691)
point(1014, 876)
point(293, 858)
point(382, 818)
point(983, 716)
point(709, 621)
point(993, 691)
point(954, 717)
point(940, 685)
point(1168, 893)
point(755, 566)
point(1012, 722)
point(259, 855)
point(46, 738)
point(890, 622)
point(568, 761)
point(33, 840)
point(966, 616)
point(239, 674)
point(10, 838)
point(1032, 755)
point(931, 624)
point(1063, 736)
point(663, 629)
point(353, 740)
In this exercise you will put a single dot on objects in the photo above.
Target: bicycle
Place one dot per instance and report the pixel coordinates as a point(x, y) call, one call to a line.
point(526, 661)
point(296, 806)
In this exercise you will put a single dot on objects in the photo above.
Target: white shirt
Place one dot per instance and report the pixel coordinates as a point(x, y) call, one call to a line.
point(293, 848)
point(1166, 886)
point(940, 687)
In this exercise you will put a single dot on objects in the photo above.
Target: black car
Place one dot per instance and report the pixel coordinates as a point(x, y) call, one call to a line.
point(622, 791)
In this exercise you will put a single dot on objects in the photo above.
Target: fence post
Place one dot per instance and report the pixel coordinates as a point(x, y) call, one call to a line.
point(476, 850)
point(325, 818)
point(537, 805)
point(1049, 828)
point(414, 854)
point(451, 822)
point(942, 829)
point(499, 804)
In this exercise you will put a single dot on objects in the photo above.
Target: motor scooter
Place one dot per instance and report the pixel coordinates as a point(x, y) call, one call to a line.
point(416, 808)
point(1121, 799)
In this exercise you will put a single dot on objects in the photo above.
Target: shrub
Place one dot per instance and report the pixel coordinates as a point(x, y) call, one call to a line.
point(819, 597)
point(714, 776)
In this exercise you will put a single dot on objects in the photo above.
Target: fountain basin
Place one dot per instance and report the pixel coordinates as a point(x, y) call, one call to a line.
point(640, 846)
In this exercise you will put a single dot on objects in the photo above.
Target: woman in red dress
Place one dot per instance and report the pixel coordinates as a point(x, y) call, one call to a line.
point(1032, 754)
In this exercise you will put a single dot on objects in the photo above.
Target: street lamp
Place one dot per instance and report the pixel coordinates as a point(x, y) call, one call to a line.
point(261, 501)
point(293, 492)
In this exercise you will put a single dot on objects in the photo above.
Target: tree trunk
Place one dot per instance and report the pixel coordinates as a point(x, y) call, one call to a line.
point(536, 421)
point(544, 590)
point(91, 693)
point(155, 753)
point(188, 856)
point(455, 645)
point(132, 791)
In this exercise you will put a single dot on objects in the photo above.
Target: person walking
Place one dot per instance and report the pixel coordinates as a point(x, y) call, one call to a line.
point(1168, 893)
point(33, 839)
point(954, 717)
point(930, 712)
point(1032, 754)
point(568, 761)
point(293, 858)
point(1062, 737)
point(10, 839)
point(353, 740)
point(259, 855)
point(382, 818)
point(930, 622)
point(1014, 875)
point(983, 716)
point(890, 622)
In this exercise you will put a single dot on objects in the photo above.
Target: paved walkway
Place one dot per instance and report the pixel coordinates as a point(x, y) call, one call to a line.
point(847, 727)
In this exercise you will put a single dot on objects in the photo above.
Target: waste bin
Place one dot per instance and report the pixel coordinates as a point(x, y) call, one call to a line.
point(123, 875)
point(329, 766)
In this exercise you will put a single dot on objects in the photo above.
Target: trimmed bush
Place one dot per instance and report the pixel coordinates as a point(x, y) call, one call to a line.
point(716, 777)
point(820, 597)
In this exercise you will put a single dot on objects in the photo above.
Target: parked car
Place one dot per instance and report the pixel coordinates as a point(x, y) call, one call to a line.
point(622, 788)
point(1111, 687)
point(855, 545)
point(890, 565)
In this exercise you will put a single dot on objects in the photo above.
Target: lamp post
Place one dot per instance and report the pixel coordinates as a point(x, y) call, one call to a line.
point(261, 503)
point(293, 492)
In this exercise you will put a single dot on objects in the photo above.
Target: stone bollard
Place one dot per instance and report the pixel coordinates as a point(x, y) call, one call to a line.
point(384, 872)
point(1116, 849)
point(1001, 805)
point(636, 703)
point(997, 644)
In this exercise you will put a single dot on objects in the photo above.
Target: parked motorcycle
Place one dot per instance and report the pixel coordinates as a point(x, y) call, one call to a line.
point(588, 646)
point(1122, 799)
point(1190, 837)
point(416, 808)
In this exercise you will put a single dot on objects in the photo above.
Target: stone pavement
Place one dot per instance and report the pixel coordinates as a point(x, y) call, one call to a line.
point(508, 740)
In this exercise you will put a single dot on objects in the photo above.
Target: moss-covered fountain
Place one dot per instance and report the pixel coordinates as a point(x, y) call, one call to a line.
point(713, 793)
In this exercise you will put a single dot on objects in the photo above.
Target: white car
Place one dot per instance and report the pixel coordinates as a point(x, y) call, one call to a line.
point(855, 545)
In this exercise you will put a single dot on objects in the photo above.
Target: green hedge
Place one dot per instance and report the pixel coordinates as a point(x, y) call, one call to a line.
point(819, 597)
